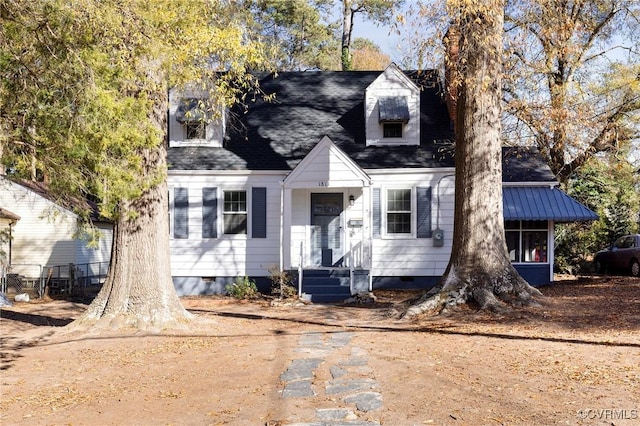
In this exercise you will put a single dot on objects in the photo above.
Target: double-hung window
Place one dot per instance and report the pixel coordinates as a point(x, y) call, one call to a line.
point(398, 211)
point(235, 212)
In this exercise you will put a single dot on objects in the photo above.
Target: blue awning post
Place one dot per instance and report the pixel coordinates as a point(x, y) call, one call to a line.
point(543, 203)
point(393, 108)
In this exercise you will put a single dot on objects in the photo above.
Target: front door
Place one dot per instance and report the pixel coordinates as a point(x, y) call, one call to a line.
point(326, 229)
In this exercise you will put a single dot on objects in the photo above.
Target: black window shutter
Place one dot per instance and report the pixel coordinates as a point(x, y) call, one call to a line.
point(423, 195)
point(259, 212)
point(209, 212)
point(181, 213)
point(376, 213)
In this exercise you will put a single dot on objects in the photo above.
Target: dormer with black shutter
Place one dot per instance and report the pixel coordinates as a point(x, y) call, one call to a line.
point(392, 109)
point(193, 120)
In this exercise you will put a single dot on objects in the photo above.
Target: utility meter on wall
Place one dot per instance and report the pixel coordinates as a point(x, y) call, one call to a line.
point(438, 238)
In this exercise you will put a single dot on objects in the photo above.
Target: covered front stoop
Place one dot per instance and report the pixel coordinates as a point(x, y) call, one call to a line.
point(332, 285)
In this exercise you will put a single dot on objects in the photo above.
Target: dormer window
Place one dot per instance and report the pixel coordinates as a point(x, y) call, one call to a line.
point(194, 130)
point(392, 109)
point(393, 114)
point(392, 130)
point(193, 120)
point(190, 113)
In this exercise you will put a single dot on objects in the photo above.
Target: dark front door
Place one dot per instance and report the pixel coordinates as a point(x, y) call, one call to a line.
point(326, 229)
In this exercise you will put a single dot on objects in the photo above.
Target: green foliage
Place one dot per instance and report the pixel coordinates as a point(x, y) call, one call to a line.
point(297, 33)
point(243, 288)
point(608, 186)
point(84, 83)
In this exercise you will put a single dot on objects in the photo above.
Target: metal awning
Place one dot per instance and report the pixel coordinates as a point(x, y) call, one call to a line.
point(190, 110)
point(393, 108)
point(543, 203)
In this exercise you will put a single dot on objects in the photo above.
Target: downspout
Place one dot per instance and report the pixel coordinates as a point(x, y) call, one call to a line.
point(369, 214)
point(10, 238)
point(281, 260)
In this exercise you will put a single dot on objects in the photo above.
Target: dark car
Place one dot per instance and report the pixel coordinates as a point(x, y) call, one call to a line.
point(623, 255)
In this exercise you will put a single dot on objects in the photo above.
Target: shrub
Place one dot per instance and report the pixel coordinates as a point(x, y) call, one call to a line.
point(282, 283)
point(243, 288)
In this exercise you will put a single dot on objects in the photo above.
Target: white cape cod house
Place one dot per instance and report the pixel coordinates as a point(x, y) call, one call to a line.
point(345, 178)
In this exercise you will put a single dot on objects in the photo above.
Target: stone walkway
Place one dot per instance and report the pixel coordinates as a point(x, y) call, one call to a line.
point(351, 387)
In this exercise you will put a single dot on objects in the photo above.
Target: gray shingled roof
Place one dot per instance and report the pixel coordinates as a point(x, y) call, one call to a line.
point(309, 105)
point(277, 135)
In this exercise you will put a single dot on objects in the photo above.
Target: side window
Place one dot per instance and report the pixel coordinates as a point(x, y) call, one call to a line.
point(235, 212)
point(620, 243)
point(398, 211)
point(526, 240)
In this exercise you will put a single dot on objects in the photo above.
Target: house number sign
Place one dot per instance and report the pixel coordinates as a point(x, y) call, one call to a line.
point(323, 183)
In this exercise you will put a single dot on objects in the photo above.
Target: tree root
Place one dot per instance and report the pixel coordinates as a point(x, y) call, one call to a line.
point(502, 296)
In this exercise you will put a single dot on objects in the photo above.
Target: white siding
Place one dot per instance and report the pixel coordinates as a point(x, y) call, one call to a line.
point(226, 255)
point(44, 235)
point(392, 83)
point(102, 253)
point(408, 255)
point(326, 166)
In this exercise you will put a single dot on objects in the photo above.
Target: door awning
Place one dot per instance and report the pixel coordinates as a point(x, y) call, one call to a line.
point(543, 203)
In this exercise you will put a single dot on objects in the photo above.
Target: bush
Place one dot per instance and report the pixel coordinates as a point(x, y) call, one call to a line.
point(282, 283)
point(243, 288)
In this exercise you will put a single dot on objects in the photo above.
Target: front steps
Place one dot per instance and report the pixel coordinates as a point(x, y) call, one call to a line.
point(330, 285)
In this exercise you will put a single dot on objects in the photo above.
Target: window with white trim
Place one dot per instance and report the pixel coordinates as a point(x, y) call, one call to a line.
point(398, 213)
point(234, 212)
point(527, 240)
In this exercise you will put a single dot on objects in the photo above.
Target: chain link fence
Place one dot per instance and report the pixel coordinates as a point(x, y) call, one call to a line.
point(60, 281)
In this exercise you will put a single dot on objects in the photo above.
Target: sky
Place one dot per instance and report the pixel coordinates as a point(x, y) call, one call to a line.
point(380, 35)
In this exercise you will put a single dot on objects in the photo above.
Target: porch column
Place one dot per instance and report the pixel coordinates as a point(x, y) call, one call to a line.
point(285, 228)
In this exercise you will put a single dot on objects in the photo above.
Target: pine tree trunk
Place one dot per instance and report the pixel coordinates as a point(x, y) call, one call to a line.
point(139, 291)
point(479, 269)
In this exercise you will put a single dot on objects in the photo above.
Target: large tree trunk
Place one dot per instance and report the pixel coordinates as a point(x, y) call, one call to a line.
point(479, 269)
point(139, 291)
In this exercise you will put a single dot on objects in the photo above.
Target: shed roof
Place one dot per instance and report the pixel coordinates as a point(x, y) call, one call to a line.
point(543, 203)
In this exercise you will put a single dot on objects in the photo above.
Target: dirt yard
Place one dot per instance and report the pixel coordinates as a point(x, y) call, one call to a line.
point(574, 360)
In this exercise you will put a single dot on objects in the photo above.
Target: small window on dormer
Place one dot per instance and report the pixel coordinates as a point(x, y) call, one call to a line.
point(392, 130)
point(191, 114)
point(195, 130)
